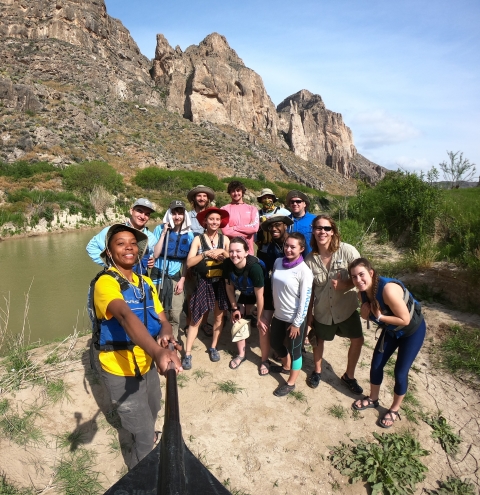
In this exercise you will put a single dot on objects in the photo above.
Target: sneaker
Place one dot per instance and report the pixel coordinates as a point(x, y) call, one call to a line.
point(187, 362)
point(214, 355)
point(314, 379)
point(352, 384)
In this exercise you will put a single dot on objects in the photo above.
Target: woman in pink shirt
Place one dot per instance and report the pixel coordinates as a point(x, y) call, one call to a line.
point(244, 219)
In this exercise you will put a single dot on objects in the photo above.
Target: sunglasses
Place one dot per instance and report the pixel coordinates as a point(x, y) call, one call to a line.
point(296, 201)
point(326, 228)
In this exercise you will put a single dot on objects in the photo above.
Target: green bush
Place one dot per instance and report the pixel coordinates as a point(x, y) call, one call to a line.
point(83, 177)
point(23, 169)
point(18, 219)
point(402, 203)
point(175, 181)
point(352, 232)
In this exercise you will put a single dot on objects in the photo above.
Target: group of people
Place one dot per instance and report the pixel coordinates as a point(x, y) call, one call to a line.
point(203, 260)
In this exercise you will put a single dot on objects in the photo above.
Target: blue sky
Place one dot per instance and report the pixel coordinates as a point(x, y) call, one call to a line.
point(405, 75)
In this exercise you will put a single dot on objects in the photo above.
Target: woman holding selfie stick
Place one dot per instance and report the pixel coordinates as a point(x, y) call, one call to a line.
point(389, 304)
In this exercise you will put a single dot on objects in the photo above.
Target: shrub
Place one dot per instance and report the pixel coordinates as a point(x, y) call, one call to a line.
point(85, 176)
point(23, 169)
point(175, 181)
point(402, 203)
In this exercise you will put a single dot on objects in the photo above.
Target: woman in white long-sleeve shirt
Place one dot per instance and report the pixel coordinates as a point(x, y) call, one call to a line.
point(292, 286)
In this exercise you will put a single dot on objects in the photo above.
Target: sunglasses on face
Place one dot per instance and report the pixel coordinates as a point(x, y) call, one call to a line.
point(319, 228)
point(296, 201)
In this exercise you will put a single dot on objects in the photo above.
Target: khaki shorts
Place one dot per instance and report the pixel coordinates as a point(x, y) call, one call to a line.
point(351, 328)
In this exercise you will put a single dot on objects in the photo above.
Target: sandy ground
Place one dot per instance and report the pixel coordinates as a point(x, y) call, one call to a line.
point(254, 441)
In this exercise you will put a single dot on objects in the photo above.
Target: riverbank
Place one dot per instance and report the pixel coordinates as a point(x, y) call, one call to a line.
point(62, 222)
point(251, 440)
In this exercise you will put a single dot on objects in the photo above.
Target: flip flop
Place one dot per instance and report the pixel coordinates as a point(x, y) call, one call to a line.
point(238, 360)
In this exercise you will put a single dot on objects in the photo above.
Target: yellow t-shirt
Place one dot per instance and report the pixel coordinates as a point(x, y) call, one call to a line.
point(121, 363)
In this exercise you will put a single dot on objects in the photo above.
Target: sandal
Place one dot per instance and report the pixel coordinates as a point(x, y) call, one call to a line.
point(274, 368)
point(264, 366)
point(370, 404)
point(156, 437)
point(236, 361)
point(207, 329)
point(352, 384)
point(214, 355)
point(389, 416)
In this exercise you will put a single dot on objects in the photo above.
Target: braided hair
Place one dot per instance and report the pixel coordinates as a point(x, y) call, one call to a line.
point(374, 304)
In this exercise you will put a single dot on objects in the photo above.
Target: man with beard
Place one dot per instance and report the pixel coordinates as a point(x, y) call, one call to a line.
point(139, 215)
point(298, 204)
point(200, 198)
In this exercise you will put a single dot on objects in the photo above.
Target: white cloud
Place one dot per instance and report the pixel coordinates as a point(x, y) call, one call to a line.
point(377, 129)
point(410, 164)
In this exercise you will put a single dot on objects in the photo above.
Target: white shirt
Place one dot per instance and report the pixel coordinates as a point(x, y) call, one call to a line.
point(292, 288)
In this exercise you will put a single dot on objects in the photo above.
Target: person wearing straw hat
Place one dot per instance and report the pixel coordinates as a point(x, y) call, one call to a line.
point(174, 238)
point(132, 336)
point(243, 218)
point(139, 215)
point(200, 198)
point(299, 203)
point(267, 199)
point(206, 257)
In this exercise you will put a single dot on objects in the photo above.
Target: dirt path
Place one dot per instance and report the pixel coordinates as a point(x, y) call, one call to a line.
point(253, 441)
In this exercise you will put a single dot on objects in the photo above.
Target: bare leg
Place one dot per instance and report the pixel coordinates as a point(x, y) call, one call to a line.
point(191, 336)
point(217, 325)
point(241, 348)
point(353, 356)
point(293, 377)
point(265, 337)
point(318, 355)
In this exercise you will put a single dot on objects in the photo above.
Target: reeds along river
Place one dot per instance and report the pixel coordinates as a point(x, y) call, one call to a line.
point(56, 271)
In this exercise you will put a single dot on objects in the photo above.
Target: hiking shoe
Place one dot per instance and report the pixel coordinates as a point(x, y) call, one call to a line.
point(283, 390)
point(187, 362)
point(214, 355)
point(352, 384)
point(314, 379)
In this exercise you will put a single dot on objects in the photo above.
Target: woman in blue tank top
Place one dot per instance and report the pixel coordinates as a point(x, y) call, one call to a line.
point(388, 303)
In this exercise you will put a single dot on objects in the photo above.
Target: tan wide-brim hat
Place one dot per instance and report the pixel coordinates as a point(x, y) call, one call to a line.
point(297, 194)
point(142, 239)
point(266, 192)
point(276, 218)
point(240, 330)
point(224, 215)
point(200, 189)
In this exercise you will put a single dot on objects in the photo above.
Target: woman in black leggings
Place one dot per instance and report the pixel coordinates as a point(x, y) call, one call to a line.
point(388, 303)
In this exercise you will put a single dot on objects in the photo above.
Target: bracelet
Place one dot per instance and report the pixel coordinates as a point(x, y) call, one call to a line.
point(203, 255)
point(379, 317)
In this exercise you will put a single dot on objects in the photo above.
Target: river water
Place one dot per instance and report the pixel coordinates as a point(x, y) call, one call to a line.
point(58, 271)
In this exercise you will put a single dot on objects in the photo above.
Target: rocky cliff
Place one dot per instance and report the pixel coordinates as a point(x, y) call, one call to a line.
point(211, 82)
point(74, 86)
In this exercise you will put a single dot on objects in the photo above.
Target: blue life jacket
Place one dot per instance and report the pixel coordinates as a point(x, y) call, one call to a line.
point(109, 335)
point(413, 306)
point(178, 246)
point(243, 282)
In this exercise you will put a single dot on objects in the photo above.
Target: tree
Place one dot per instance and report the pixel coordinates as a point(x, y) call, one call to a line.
point(458, 169)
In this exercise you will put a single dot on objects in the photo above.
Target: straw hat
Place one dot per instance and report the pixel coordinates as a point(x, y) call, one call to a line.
point(266, 192)
point(201, 189)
